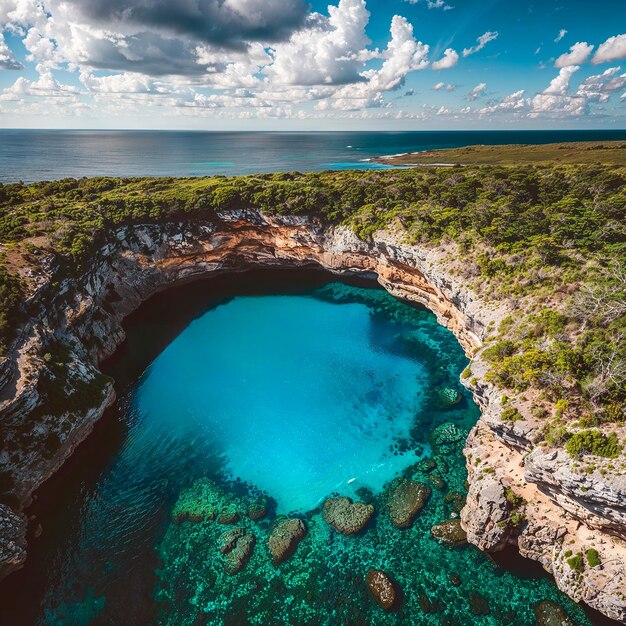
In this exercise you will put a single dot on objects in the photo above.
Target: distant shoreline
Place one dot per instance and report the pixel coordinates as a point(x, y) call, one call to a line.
point(576, 152)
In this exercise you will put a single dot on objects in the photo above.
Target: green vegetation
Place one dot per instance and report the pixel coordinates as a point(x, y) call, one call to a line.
point(548, 239)
point(593, 442)
point(576, 563)
point(510, 414)
point(593, 558)
point(582, 152)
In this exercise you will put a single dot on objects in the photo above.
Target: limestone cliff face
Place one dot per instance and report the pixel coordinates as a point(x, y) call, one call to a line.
point(84, 315)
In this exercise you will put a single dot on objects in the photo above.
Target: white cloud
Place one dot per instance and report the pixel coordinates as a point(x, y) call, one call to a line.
point(482, 41)
point(442, 86)
point(328, 53)
point(578, 54)
point(560, 84)
point(433, 4)
point(600, 87)
point(613, 49)
point(560, 36)
point(7, 60)
point(403, 55)
point(477, 91)
point(450, 59)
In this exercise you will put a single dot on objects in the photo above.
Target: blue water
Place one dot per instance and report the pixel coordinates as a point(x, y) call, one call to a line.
point(32, 155)
point(276, 385)
point(297, 413)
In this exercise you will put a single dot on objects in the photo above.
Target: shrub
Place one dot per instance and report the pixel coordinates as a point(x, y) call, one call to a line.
point(593, 558)
point(576, 563)
point(594, 442)
point(510, 414)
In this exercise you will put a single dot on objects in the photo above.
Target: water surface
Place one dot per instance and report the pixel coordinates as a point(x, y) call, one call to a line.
point(32, 155)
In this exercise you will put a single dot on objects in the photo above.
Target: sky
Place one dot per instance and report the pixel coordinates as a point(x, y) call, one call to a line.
point(298, 65)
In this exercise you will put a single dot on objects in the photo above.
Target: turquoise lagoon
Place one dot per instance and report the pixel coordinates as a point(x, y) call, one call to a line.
point(285, 387)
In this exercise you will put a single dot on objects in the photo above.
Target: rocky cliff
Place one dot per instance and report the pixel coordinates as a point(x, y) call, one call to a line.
point(52, 392)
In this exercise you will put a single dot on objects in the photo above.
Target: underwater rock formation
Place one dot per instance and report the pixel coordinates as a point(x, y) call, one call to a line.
point(449, 532)
point(239, 555)
point(345, 516)
point(405, 500)
point(551, 614)
point(382, 588)
point(284, 538)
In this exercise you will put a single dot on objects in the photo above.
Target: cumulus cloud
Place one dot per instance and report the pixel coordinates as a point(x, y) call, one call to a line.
point(613, 49)
point(482, 41)
point(450, 59)
point(560, 36)
point(477, 91)
point(578, 53)
point(329, 53)
point(600, 87)
point(404, 54)
point(7, 60)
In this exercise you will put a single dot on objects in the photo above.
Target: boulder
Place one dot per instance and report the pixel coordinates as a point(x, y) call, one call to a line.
point(257, 510)
point(447, 397)
point(405, 500)
point(383, 589)
point(12, 540)
point(551, 614)
point(238, 557)
point(449, 532)
point(230, 515)
point(228, 539)
point(284, 538)
point(347, 517)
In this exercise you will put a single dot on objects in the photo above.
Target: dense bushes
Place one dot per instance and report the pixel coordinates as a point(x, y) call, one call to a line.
point(593, 442)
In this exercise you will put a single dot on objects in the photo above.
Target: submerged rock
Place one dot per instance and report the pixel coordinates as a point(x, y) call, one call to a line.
point(238, 557)
point(405, 500)
point(284, 538)
point(200, 502)
point(447, 433)
point(347, 517)
point(478, 604)
point(435, 479)
point(230, 515)
point(383, 589)
point(228, 539)
point(258, 509)
point(551, 614)
point(447, 397)
point(449, 532)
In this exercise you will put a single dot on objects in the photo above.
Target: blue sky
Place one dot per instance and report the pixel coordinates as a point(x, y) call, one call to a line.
point(289, 64)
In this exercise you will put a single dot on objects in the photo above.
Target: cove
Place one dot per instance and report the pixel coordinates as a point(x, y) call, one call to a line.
point(286, 386)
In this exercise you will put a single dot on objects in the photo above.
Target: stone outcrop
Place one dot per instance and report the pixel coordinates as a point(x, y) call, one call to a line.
point(382, 588)
point(12, 539)
point(347, 517)
point(449, 532)
point(238, 556)
point(405, 499)
point(284, 538)
point(83, 314)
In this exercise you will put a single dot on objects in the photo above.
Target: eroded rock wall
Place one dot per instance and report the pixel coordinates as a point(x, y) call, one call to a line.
point(85, 314)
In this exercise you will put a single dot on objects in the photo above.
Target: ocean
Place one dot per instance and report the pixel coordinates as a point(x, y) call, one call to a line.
point(35, 155)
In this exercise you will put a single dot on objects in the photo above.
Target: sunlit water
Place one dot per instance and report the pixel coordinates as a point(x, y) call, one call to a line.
point(32, 155)
point(296, 395)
